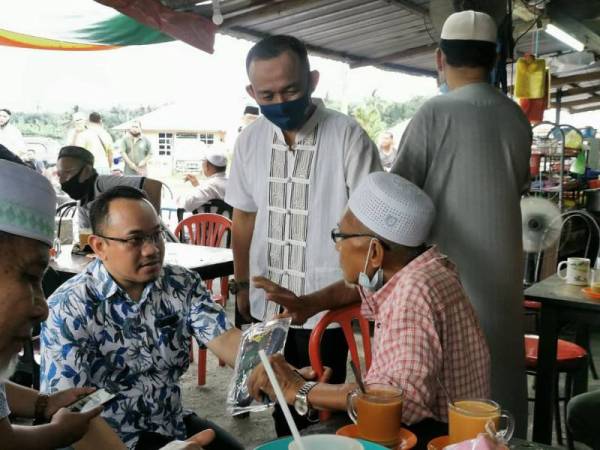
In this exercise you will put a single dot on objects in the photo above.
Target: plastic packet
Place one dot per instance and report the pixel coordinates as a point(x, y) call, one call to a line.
point(482, 442)
point(268, 336)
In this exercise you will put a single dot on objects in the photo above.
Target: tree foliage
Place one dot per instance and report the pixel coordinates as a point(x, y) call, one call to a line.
point(376, 114)
point(56, 125)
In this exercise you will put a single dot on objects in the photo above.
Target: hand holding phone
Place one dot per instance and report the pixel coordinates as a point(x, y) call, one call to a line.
point(90, 401)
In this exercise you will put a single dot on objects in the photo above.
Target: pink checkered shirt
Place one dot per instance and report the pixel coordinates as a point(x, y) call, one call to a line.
point(425, 328)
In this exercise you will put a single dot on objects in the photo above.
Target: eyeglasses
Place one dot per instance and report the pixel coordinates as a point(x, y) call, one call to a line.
point(155, 238)
point(338, 236)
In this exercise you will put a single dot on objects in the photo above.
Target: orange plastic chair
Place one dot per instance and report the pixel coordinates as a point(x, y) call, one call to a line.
point(209, 230)
point(343, 316)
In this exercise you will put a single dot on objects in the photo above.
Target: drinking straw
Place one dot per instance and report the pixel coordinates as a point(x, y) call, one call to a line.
point(281, 399)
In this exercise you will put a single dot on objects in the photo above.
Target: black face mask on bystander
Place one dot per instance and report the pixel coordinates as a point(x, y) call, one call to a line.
point(77, 189)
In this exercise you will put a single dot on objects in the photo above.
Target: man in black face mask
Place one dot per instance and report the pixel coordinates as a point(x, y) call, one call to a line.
point(292, 172)
point(79, 179)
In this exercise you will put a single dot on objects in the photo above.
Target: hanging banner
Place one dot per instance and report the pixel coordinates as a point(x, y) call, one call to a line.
point(187, 27)
point(87, 25)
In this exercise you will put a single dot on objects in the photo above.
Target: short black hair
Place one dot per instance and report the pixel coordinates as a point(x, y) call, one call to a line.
point(99, 207)
point(7, 111)
point(469, 53)
point(95, 117)
point(273, 46)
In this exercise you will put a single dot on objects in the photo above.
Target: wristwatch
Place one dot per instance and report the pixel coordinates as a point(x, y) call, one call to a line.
point(238, 286)
point(301, 402)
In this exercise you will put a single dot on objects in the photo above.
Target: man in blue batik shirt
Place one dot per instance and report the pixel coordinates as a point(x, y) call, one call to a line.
point(125, 324)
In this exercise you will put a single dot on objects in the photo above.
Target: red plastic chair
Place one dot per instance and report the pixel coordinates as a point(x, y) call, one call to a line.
point(570, 359)
point(343, 316)
point(209, 230)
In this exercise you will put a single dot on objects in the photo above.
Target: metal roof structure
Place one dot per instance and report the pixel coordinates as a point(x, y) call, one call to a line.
point(401, 35)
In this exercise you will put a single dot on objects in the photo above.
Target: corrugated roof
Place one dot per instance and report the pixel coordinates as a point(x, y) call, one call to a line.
point(393, 34)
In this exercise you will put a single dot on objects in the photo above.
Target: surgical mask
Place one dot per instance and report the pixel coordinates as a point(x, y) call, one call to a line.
point(74, 188)
point(370, 284)
point(287, 115)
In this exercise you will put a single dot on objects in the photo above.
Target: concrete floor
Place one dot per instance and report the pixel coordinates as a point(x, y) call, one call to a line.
point(208, 401)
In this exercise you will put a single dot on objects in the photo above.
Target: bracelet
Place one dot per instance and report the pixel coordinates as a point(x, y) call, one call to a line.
point(39, 412)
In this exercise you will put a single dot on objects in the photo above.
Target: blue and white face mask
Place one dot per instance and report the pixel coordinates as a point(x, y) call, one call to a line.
point(370, 284)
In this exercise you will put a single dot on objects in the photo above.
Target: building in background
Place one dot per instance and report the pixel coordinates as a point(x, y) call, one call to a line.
point(180, 132)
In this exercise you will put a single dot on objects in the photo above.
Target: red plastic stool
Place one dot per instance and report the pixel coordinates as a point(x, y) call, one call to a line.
point(570, 359)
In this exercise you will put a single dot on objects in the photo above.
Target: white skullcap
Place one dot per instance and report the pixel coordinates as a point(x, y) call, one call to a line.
point(393, 208)
point(470, 26)
point(215, 156)
point(27, 203)
point(78, 116)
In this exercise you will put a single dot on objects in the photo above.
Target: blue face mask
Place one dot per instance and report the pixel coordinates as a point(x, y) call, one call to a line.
point(444, 89)
point(287, 115)
point(370, 284)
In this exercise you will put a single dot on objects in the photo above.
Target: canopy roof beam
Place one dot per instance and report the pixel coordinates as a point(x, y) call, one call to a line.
point(412, 7)
point(416, 51)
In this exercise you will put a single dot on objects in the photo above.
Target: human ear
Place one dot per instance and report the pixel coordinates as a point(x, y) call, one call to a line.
point(98, 245)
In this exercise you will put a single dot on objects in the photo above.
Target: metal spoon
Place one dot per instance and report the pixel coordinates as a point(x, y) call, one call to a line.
point(359, 381)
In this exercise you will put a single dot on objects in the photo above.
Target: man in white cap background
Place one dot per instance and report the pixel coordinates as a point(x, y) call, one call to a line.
point(469, 151)
point(426, 332)
point(27, 208)
point(80, 136)
point(136, 150)
point(214, 164)
point(10, 136)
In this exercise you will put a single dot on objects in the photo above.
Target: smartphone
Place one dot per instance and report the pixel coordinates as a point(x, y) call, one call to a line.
point(90, 401)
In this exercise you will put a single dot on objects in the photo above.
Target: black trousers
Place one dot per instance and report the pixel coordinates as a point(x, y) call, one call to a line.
point(193, 424)
point(334, 354)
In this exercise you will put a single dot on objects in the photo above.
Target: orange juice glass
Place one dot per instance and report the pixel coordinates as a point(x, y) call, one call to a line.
point(467, 418)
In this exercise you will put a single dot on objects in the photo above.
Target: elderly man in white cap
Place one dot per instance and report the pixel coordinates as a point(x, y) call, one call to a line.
point(27, 208)
point(214, 163)
point(469, 150)
point(426, 332)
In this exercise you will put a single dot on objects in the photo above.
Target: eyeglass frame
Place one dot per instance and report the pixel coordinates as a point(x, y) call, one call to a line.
point(338, 236)
point(154, 238)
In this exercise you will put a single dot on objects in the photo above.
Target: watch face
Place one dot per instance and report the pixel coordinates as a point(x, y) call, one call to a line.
point(300, 406)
